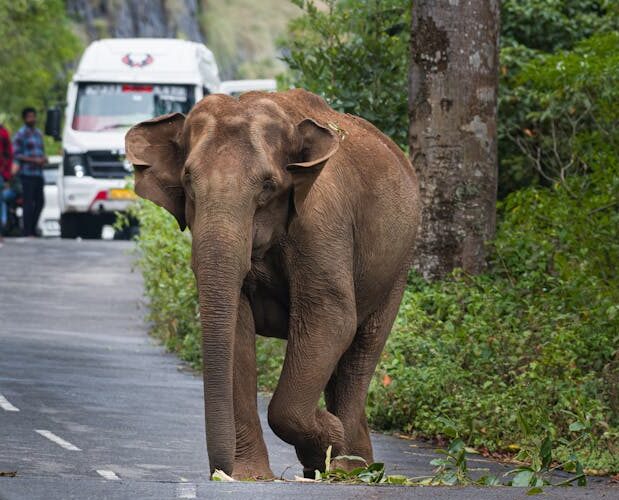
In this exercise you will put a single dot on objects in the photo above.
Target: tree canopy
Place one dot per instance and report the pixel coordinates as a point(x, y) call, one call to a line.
point(38, 48)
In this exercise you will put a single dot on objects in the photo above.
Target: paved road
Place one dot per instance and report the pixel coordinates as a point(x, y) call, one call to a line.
point(91, 407)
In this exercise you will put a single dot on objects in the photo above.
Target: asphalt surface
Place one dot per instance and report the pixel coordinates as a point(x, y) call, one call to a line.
point(92, 408)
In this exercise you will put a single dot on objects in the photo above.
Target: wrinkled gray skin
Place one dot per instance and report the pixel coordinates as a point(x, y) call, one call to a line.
point(303, 222)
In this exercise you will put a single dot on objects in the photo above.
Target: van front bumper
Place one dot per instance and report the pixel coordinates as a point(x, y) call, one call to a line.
point(90, 195)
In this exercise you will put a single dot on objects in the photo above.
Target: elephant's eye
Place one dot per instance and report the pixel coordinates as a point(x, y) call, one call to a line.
point(268, 185)
point(268, 188)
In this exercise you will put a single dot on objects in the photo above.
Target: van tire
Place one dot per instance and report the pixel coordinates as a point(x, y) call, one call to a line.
point(69, 224)
point(90, 227)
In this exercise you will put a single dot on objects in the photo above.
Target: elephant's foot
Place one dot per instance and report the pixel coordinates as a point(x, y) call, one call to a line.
point(339, 463)
point(244, 471)
point(328, 432)
point(359, 446)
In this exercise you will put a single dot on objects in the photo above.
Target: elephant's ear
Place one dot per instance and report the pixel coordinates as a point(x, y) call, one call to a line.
point(318, 144)
point(154, 149)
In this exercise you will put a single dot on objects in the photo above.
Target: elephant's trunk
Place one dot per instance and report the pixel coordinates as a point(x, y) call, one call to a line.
point(221, 259)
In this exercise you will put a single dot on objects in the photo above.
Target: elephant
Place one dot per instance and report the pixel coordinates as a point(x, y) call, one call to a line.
point(303, 222)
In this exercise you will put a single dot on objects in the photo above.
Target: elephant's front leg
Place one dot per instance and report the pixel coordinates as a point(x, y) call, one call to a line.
point(251, 459)
point(322, 326)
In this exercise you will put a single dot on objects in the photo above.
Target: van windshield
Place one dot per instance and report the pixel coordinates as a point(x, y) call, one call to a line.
point(108, 106)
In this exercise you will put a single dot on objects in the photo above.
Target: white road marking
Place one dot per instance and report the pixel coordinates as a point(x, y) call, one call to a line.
point(110, 475)
point(58, 440)
point(186, 490)
point(5, 405)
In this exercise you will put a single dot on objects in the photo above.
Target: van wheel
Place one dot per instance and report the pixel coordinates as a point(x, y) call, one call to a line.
point(90, 227)
point(69, 226)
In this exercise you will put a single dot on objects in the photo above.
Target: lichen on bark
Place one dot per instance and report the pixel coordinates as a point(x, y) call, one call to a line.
point(452, 109)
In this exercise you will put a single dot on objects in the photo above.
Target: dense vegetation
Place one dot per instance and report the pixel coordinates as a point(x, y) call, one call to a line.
point(531, 32)
point(355, 54)
point(37, 46)
point(533, 340)
point(531, 346)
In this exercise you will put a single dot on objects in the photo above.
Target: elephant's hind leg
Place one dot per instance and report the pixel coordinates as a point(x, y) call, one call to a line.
point(347, 390)
point(251, 459)
point(322, 325)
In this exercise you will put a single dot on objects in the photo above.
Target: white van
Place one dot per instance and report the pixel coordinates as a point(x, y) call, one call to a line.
point(237, 87)
point(118, 83)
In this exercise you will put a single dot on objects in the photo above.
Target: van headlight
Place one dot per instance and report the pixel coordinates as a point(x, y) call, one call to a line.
point(75, 165)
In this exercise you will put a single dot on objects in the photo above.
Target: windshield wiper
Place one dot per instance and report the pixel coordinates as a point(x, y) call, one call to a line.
point(115, 125)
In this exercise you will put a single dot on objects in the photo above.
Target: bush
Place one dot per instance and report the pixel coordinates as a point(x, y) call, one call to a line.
point(38, 46)
point(536, 339)
point(550, 25)
point(164, 257)
point(322, 45)
point(533, 35)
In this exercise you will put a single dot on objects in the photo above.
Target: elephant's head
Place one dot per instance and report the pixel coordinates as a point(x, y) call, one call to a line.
point(233, 171)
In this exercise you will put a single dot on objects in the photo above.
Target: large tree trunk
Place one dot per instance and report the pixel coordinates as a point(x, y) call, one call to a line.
point(453, 124)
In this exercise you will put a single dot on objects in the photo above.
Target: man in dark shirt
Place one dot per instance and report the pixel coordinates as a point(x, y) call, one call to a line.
point(30, 155)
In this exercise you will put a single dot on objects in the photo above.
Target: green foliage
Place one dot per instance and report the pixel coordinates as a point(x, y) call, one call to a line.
point(373, 474)
point(368, 474)
point(550, 25)
point(538, 457)
point(546, 99)
point(452, 469)
point(163, 257)
point(355, 54)
point(536, 338)
point(571, 106)
point(37, 47)
point(269, 358)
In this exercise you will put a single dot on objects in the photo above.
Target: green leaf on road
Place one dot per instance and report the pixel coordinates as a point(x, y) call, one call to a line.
point(522, 479)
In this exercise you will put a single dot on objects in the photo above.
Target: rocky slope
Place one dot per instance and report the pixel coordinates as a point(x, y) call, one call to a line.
point(137, 18)
point(241, 33)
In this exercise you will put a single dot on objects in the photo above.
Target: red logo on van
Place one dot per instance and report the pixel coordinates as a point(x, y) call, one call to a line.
point(137, 60)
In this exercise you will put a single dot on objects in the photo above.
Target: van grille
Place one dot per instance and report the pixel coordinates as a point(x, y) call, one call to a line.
point(106, 165)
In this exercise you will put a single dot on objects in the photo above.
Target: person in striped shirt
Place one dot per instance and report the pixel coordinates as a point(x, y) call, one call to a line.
point(30, 154)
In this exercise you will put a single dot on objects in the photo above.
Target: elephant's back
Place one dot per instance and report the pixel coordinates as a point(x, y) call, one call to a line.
point(382, 183)
point(377, 194)
point(370, 182)
point(373, 171)
point(384, 192)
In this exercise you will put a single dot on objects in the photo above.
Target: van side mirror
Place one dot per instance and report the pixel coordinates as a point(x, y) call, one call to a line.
point(52, 123)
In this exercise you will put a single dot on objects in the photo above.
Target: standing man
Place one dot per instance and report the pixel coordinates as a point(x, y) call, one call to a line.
point(30, 155)
point(6, 162)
